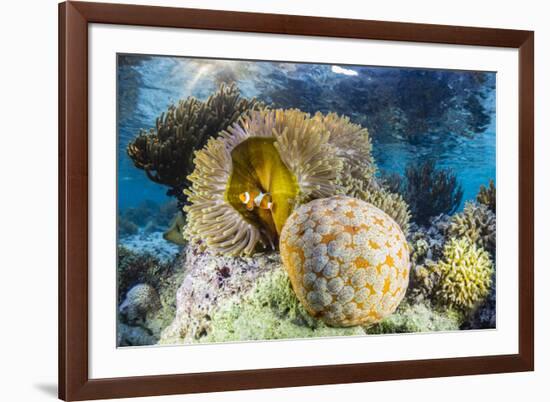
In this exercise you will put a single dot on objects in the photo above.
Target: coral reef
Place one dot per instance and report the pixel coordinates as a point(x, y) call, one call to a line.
point(427, 242)
point(347, 260)
point(429, 191)
point(488, 196)
point(417, 317)
point(270, 310)
point(141, 301)
point(430, 250)
point(465, 274)
point(147, 296)
point(139, 267)
point(477, 223)
point(280, 224)
point(166, 153)
point(287, 154)
point(165, 214)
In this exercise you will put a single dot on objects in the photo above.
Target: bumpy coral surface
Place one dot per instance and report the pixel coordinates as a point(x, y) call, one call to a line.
point(348, 261)
point(287, 154)
point(466, 275)
point(140, 301)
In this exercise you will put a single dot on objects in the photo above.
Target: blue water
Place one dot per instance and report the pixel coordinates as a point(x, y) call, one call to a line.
point(412, 114)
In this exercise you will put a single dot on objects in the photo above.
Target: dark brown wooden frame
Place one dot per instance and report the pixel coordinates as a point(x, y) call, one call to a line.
point(74, 17)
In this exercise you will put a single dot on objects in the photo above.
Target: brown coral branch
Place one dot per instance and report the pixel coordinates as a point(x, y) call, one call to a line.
point(166, 154)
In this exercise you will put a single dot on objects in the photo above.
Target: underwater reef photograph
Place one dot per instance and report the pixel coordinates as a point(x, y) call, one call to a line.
point(264, 200)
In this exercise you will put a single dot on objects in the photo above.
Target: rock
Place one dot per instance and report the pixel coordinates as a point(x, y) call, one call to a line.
point(209, 281)
point(133, 336)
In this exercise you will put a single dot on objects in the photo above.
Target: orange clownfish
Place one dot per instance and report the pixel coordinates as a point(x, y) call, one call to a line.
point(256, 199)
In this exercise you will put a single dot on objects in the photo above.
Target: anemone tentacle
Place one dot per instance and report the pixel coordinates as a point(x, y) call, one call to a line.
point(303, 144)
point(287, 153)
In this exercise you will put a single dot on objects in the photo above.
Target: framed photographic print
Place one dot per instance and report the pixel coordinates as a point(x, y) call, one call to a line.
point(259, 200)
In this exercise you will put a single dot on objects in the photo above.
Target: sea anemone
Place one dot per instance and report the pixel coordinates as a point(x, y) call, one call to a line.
point(284, 154)
point(391, 203)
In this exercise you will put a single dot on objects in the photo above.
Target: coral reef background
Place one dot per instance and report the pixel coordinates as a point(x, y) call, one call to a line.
point(429, 163)
point(412, 114)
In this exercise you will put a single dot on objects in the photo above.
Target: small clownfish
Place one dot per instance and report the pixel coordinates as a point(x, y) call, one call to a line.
point(256, 199)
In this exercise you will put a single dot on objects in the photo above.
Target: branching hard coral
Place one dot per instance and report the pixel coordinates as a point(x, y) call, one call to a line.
point(465, 275)
point(423, 282)
point(478, 223)
point(284, 154)
point(269, 311)
point(166, 153)
point(488, 196)
point(430, 191)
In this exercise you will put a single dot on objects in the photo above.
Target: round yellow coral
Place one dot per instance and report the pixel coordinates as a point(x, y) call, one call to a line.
point(348, 261)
